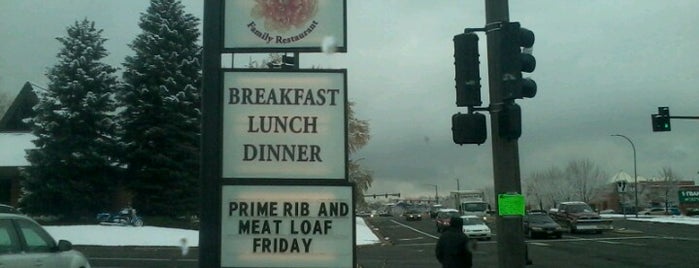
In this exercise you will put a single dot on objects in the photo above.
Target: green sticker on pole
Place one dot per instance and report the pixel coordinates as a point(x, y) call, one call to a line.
point(510, 205)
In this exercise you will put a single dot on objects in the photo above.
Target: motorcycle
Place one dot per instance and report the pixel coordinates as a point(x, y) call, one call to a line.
point(125, 217)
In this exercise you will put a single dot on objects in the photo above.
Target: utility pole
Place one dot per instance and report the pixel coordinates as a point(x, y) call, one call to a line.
point(506, 174)
point(436, 192)
point(635, 175)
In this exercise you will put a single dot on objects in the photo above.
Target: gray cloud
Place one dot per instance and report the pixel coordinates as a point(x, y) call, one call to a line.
point(603, 67)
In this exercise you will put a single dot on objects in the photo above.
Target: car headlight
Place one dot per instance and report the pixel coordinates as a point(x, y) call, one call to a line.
point(537, 228)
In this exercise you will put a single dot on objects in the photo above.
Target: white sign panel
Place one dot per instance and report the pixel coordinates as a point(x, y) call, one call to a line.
point(267, 25)
point(284, 125)
point(287, 226)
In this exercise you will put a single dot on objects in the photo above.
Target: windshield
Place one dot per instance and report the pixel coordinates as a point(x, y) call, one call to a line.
point(539, 218)
point(579, 208)
point(473, 221)
point(474, 207)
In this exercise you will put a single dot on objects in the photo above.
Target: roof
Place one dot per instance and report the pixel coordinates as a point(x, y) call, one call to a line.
point(447, 210)
point(20, 108)
point(623, 176)
point(14, 216)
point(14, 148)
point(572, 202)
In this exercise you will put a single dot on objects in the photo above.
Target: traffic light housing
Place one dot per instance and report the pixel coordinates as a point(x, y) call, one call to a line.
point(288, 62)
point(468, 128)
point(661, 121)
point(510, 121)
point(467, 72)
point(512, 38)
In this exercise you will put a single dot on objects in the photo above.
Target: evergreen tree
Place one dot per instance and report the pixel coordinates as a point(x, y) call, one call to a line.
point(71, 171)
point(160, 123)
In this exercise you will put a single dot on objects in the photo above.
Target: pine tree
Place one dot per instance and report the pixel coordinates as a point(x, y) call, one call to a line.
point(160, 123)
point(71, 171)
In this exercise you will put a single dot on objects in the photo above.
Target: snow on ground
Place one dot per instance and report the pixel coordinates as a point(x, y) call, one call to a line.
point(662, 219)
point(158, 236)
point(364, 234)
point(99, 235)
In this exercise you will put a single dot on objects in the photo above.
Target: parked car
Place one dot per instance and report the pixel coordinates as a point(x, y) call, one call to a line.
point(607, 211)
point(8, 209)
point(444, 217)
point(578, 216)
point(363, 213)
point(413, 215)
point(475, 228)
point(541, 225)
point(659, 211)
point(693, 212)
point(24, 243)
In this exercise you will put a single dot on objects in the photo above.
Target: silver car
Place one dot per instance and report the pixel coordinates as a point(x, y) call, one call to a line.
point(24, 243)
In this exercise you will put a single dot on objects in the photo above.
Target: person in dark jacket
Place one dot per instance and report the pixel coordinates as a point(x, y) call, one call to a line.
point(452, 247)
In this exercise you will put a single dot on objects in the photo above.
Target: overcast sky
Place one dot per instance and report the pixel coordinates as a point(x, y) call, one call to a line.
point(603, 67)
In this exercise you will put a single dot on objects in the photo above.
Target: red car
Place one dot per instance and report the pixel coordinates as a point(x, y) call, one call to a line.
point(444, 217)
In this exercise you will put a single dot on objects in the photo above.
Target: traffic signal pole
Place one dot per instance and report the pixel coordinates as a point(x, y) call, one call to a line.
point(661, 121)
point(506, 174)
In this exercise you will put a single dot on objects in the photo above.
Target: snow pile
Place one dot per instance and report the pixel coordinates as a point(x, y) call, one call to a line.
point(103, 235)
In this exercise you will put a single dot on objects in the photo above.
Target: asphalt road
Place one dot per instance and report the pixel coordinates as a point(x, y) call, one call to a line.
point(632, 244)
point(411, 244)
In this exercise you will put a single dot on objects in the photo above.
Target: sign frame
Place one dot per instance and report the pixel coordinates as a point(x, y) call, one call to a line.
point(344, 118)
point(301, 184)
point(685, 198)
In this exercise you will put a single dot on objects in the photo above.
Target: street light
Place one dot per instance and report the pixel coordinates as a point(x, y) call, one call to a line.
point(436, 193)
point(635, 176)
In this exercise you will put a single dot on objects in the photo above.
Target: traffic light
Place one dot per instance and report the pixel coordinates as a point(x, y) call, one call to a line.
point(512, 38)
point(661, 121)
point(288, 62)
point(468, 128)
point(510, 121)
point(467, 72)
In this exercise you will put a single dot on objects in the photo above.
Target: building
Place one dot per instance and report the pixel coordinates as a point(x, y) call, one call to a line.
point(652, 192)
point(15, 140)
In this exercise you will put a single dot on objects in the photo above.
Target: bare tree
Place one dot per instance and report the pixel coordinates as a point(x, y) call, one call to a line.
point(555, 188)
point(357, 137)
point(586, 178)
point(668, 184)
point(581, 180)
point(533, 189)
point(547, 188)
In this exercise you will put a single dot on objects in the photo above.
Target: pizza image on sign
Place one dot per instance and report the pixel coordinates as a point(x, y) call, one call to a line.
point(281, 16)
